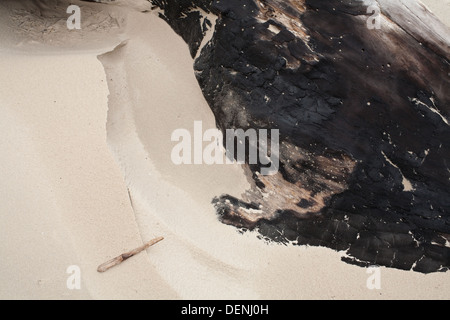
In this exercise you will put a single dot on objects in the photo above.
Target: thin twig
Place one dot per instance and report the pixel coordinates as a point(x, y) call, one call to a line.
point(118, 260)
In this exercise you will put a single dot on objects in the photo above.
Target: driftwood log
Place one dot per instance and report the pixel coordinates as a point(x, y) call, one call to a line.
point(363, 115)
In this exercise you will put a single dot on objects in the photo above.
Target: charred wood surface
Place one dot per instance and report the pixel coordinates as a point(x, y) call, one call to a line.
point(363, 116)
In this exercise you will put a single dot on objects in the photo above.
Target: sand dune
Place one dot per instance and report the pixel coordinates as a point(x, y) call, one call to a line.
point(87, 118)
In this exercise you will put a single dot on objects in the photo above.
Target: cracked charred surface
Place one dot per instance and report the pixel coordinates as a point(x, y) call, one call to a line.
point(360, 113)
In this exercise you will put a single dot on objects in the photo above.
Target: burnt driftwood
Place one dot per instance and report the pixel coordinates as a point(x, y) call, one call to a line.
point(363, 115)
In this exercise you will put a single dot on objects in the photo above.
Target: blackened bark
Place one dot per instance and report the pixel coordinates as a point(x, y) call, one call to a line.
point(363, 117)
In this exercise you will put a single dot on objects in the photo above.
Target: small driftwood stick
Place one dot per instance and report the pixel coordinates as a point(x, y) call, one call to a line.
point(118, 260)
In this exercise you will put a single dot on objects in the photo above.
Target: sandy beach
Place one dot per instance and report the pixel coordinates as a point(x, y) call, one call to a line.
point(87, 117)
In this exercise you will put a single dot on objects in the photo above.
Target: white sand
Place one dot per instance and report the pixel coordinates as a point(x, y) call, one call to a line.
point(441, 8)
point(69, 157)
